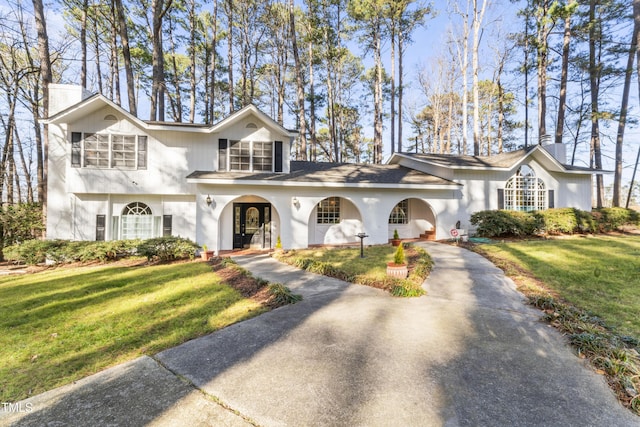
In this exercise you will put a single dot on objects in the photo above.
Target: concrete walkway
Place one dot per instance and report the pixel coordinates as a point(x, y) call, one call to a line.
point(470, 353)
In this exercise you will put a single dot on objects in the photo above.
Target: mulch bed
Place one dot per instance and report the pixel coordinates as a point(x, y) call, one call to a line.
point(242, 281)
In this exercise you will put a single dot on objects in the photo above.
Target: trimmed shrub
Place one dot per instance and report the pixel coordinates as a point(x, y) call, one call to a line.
point(398, 257)
point(610, 219)
point(503, 223)
point(167, 248)
point(61, 251)
point(557, 221)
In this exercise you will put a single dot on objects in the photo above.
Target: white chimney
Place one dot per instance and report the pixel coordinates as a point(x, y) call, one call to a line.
point(62, 96)
point(558, 151)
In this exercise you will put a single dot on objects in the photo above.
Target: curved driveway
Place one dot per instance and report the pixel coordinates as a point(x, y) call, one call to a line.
point(469, 353)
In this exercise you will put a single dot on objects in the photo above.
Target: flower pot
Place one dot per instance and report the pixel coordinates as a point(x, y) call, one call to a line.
point(399, 271)
point(396, 242)
point(205, 255)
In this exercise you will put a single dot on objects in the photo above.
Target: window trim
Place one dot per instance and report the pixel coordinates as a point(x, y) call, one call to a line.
point(226, 155)
point(400, 213)
point(328, 213)
point(78, 158)
point(525, 192)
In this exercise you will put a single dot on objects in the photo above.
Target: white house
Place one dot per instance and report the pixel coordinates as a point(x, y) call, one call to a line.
point(233, 185)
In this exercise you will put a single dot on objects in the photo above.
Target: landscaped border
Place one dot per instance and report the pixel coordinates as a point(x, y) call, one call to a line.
point(419, 265)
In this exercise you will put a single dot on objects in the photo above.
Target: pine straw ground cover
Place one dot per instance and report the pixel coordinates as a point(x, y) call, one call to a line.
point(346, 264)
point(589, 289)
point(62, 324)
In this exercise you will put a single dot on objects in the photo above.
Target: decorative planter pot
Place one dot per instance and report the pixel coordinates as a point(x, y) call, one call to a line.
point(399, 271)
point(396, 242)
point(205, 255)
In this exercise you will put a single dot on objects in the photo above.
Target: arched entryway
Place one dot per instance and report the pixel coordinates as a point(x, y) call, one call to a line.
point(413, 218)
point(249, 222)
point(334, 221)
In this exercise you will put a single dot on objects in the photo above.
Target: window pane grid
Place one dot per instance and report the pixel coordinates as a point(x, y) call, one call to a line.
point(262, 156)
point(525, 192)
point(400, 213)
point(329, 211)
point(110, 151)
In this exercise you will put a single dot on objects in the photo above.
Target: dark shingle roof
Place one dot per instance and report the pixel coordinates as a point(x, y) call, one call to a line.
point(345, 173)
point(503, 160)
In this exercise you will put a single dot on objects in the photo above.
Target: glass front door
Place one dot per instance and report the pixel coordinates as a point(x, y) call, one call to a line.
point(251, 225)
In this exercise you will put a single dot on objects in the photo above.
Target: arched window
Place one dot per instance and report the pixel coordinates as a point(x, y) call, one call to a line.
point(137, 221)
point(525, 192)
point(400, 213)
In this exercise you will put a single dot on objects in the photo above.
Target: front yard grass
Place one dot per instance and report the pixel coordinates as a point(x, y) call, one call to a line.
point(346, 264)
point(599, 274)
point(60, 325)
point(589, 289)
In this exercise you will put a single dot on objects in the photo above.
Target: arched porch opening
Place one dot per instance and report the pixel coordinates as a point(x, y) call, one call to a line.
point(248, 222)
point(334, 221)
point(413, 218)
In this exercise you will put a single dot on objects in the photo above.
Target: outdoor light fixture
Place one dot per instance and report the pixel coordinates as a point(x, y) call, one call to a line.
point(208, 200)
point(294, 200)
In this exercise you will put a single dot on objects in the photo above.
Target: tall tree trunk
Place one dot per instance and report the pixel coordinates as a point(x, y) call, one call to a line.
point(83, 43)
point(192, 57)
point(393, 84)
point(25, 167)
point(594, 82)
point(377, 94)
point(214, 54)
point(115, 63)
point(97, 50)
point(543, 31)
point(312, 108)
point(562, 103)
point(478, 16)
point(299, 83)
point(159, 10)
point(230, 6)
point(400, 86)
point(126, 56)
point(622, 121)
point(46, 77)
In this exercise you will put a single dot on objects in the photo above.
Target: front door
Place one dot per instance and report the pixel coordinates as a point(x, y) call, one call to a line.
point(251, 225)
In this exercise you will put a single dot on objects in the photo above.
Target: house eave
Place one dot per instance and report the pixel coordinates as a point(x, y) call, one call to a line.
point(299, 184)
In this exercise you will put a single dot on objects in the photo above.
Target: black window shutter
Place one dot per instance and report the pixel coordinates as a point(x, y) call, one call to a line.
point(277, 160)
point(222, 154)
point(552, 203)
point(101, 220)
point(166, 225)
point(142, 152)
point(76, 149)
point(500, 198)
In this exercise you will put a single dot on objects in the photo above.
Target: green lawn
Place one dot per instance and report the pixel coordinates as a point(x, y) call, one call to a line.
point(599, 274)
point(374, 263)
point(61, 325)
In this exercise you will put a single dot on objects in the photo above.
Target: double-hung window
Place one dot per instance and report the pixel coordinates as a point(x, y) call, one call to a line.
point(249, 156)
point(94, 150)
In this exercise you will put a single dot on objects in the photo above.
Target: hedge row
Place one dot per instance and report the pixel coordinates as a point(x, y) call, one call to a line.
point(551, 221)
point(63, 251)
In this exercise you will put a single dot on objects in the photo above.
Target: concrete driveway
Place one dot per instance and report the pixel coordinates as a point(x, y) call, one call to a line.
point(470, 353)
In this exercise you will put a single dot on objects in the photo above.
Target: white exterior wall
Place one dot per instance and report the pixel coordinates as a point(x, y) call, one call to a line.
point(362, 210)
point(78, 194)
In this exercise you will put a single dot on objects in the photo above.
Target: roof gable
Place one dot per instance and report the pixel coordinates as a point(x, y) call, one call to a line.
point(97, 101)
point(502, 161)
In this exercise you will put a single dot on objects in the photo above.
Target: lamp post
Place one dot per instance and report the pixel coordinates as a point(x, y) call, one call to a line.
point(361, 236)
